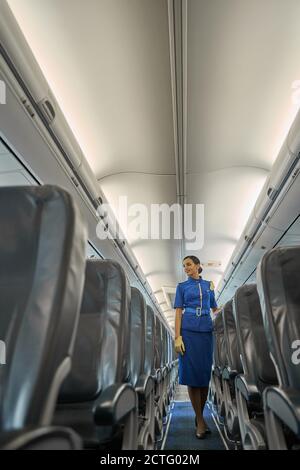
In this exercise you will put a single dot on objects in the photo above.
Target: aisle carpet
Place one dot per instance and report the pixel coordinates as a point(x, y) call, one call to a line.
point(181, 435)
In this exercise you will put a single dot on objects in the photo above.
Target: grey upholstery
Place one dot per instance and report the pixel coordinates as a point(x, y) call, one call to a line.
point(278, 280)
point(158, 344)
point(42, 253)
point(166, 368)
point(137, 335)
point(170, 342)
point(252, 341)
point(159, 391)
point(95, 394)
point(150, 342)
point(141, 378)
point(100, 354)
point(258, 368)
point(233, 360)
point(233, 367)
point(45, 438)
point(219, 342)
point(219, 362)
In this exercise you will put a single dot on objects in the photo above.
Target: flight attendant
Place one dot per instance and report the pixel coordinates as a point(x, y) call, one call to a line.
point(193, 337)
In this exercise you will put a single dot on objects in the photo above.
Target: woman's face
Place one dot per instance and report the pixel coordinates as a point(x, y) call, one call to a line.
point(190, 268)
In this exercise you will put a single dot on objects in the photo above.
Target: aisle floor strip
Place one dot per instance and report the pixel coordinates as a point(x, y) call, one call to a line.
point(167, 432)
point(219, 430)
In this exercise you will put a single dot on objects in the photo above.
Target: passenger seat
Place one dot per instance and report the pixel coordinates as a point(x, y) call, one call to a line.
point(96, 399)
point(278, 281)
point(219, 363)
point(42, 258)
point(231, 370)
point(140, 372)
point(258, 368)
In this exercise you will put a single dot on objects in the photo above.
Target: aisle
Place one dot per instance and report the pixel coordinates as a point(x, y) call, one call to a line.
point(181, 433)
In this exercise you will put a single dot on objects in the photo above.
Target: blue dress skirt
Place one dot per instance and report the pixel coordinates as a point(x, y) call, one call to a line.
point(196, 363)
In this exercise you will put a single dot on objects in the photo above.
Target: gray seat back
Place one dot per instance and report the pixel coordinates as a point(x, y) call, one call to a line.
point(164, 345)
point(252, 340)
point(149, 366)
point(101, 347)
point(170, 358)
point(219, 342)
point(42, 259)
point(232, 350)
point(158, 343)
point(278, 283)
point(137, 335)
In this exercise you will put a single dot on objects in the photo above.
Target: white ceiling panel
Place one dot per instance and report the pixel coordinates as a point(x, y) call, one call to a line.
point(243, 57)
point(107, 62)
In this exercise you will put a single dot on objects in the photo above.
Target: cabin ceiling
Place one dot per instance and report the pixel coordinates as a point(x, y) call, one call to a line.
point(108, 64)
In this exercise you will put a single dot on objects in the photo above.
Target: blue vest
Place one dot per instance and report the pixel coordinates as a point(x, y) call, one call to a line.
point(197, 298)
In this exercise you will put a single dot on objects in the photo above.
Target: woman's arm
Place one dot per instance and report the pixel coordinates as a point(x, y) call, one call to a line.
point(179, 344)
point(178, 322)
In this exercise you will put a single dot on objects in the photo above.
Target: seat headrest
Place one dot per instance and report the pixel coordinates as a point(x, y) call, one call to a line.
point(232, 350)
point(278, 281)
point(252, 340)
point(42, 259)
point(102, 341)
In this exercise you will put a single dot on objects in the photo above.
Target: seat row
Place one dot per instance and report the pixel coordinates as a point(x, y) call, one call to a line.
point(88, 363)
point(255, 386)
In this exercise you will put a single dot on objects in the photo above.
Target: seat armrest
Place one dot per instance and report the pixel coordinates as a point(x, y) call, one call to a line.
point(158, 376)
point(249, 391)
point(154, 377)
point(228, 374)
point(145, 385)
point(43, 438)
point(114, 404)
point(285, 404)
point(218, 371)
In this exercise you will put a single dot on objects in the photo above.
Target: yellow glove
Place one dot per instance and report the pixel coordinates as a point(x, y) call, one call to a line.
point(179, 345)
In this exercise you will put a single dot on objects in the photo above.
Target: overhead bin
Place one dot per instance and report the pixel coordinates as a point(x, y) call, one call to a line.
point(293, 138)
point(19, 54)
point(275, 208)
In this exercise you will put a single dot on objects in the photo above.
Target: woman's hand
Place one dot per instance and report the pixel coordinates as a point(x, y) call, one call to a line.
point(217, 310)
point(179, 345)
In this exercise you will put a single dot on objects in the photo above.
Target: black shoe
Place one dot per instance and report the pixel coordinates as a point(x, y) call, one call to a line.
point(207, 430)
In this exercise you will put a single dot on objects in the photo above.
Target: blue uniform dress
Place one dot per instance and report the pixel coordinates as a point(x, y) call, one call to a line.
point(196, 297)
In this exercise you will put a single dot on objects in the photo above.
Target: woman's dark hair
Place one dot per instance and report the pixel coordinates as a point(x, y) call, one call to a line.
point(195, 260)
